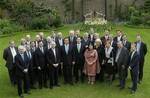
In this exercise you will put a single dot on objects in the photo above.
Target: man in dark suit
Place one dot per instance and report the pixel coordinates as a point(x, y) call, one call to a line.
point(105, 38)
point(59, 43)
point(134, 67)
point(91, 35)
point(40, 60)
point(42, 38)
point(122, 62)
point(72, 38)
point(22, 67)
point(119, 36)
point(126, 43)
point(67, 59)
point(59, 40)
point(85, 41)
point(9, 56)
point(32, 68)
point(101, 56)
point(79, 49)
point(53, 58)
point(142, 50)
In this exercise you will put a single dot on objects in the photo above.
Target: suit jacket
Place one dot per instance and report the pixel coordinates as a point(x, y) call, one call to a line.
point(8, 57)
point(21, 64)
point(51, 59)
point(128, 45)
point(134, 62)
point(85, 42)
point(72, 42)
point(143, 50)
point(101, 53)
point(123, 57)
point(103, 39)
point(40, 58)
point(33, 62)
point(57, 43)
point(79, 55)
point(67, 59)
point(115, 39)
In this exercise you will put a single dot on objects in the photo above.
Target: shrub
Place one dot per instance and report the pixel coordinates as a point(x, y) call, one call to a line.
point(135, 20)
point(8, 27)
point(39, 23)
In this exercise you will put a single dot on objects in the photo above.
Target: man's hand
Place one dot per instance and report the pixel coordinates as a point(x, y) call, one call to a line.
point(39, 68)
point(25, 70)
point(55, 65)
point(73, 62)
point(129, 68)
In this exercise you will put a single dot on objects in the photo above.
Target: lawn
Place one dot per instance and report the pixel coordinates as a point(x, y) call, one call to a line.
point(99, 90)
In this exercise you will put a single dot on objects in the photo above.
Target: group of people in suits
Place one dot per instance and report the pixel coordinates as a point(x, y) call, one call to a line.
point(43, 60)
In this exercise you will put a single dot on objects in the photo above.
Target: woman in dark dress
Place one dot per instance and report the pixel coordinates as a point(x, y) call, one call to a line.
point(109, 61)
point(101, 56)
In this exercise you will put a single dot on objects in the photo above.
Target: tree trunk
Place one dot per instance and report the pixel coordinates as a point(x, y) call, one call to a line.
point(73, 11)
point(105, 9)
point(82, 10)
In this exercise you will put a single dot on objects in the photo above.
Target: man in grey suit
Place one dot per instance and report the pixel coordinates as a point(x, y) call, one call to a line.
point(121, 61)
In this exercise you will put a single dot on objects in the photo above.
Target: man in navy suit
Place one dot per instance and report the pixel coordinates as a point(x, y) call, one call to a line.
point(67, 59)
point(22, 67)
point(141, 50)
point(79, 49)
point(134, 67)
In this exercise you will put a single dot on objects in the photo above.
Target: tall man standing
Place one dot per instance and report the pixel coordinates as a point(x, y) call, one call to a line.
point(121, 61)
point(40, 60)
point(142, 50)
point(134, 67)
point(67, 58)
point(79, 49)
point(9, 56)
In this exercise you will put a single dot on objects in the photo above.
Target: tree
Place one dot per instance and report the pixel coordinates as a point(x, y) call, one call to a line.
point(105, 9)
point(147, 6)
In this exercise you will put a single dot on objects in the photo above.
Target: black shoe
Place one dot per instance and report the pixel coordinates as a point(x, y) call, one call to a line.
point(71, 83)
point(21, 96)
point(139, 82)
point(132, 92)
point(45, 86)
point(27, 93)
point(33, 87)
point(40, 87)
point(57, 85)
point(121, 88)
point(51, 87)
point(118, 85)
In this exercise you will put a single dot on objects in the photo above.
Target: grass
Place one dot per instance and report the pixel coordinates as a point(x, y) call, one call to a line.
point(99, 90)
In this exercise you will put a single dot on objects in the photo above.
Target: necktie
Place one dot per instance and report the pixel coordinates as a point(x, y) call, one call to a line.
point(132, 55)
point(22, 55)
point(78, 47)
point(42, 50)
point(66, 48)
point(54, 53)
